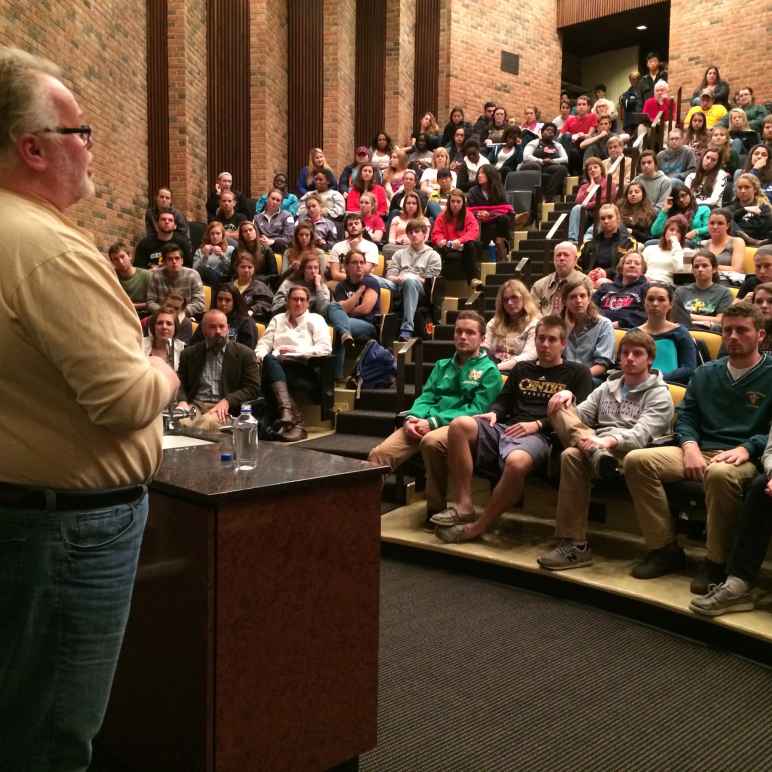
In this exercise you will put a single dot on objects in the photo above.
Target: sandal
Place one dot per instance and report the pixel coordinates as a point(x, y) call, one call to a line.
point(451, 516)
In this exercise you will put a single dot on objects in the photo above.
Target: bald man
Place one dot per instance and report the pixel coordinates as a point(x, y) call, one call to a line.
point(546, 291)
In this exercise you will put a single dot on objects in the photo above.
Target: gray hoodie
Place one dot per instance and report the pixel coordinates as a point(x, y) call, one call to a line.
point(426, 263)
point(634, 419)
point(657, 187)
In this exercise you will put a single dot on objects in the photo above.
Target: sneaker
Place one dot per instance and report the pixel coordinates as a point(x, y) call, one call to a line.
point(707, 574)
point(566, 555)
point(660, 562)
point(347, 339)
point(456, 534)
point(721, 600)
point(604, 465)
point(451, 516)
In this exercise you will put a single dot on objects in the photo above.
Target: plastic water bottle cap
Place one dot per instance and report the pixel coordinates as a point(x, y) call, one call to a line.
point(246, 408)
point(226, 455)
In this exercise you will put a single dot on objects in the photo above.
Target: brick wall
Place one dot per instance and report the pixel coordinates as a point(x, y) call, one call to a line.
point(268, 87)
point(475, 32)
point(740, 35)
point(101, 49)
point(339, 81)
point(400, 60)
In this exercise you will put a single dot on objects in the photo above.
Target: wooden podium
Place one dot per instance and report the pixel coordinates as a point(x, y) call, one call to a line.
point(252, 642)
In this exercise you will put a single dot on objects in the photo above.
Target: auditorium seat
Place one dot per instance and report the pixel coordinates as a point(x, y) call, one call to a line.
point(712, 341)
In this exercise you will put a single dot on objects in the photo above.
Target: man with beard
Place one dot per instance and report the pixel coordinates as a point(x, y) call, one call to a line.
point(549, 157)
point(216, 375)
point(147, 253)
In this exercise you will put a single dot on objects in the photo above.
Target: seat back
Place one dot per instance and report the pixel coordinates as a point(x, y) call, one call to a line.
point(279, 259)
point(618, 335)
point(528, 180)
point(380, 267)
point(521, 200)
point(385, 300)
point(260, 329)
point(677, 393)
point(207, 296)
point(748, 265)
point(711, 340)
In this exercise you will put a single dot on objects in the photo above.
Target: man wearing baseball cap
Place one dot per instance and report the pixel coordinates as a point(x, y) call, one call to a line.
point(713, 112)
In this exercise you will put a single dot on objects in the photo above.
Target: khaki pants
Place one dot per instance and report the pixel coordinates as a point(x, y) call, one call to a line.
point(204, 421)
point(398, 448)
point(647, 469)
point(575, 477)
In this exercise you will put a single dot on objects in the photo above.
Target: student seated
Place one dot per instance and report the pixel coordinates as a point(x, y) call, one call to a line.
point(480, 126)
point(729, 250)
point(546, 292)
point(134, 281)
point(510, 154)
point(677, 160)
point(656, 183)
point(408, 268)
point(350, 171)
point(636, 212)
point(762, 262)
point(225, 183)
point(455, 119)
point(701, 304)
point(147, 253)
point(611, 240)
point(489, 205)
point(709, 181)
point(357, 301)
point(473, 162)
point(512, 439)
point(316, 163)
point(751, 212)
point(754, 113)
point(286, 351)
point(722, 429)
point(590, 339)
point(596, 143)
point(172, 276)
point(496, 128)
point(510, 336)
point(216, 375)
point(325, 231)
point(681, 202)
point(577, 128)
point(743, 137)
point(394, 173)
point(429, 127)
point(712, 83)
point(621, 300)
point(213, 258)
point(549, 157)
point(228, 215)
point(620, 416)
point(161, 339)
point(265, 263)
point(631, 103)
point(666, 258)
point(654, 73)
point(355, 239)
point(728, 156)
point(257, 296)
point(754, 530)
point(660, 106)
point(163, 200)
point(762, 299)
point(455, 235)
point(409, 185)
point(593, 192)
point(707, 106)
point(420, 157)
point(372, 222)
point(289, 201)
point(697, 137)
point(365, 182)
point(332, 205)
point(429, 183)
point(411, 209)
point(465, 384)
point(175, 303)
point(241, 326)
point(308, 275)
point(275, 225)
point(759, 164)
point(380, 151)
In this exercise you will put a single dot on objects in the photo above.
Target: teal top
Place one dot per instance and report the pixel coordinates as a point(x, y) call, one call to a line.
point(699, 222)
point(454, 390)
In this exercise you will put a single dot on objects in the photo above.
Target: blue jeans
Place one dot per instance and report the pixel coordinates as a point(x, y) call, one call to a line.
point(342, 322)
point(575, 222)
point(66, 580)
point(412, 290)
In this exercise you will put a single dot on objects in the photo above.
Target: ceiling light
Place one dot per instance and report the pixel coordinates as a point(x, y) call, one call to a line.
point(641, 27)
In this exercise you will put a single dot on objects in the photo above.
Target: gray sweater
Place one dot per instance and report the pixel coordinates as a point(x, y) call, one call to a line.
point(425, 263)
point(634, 419)
point(657, 187)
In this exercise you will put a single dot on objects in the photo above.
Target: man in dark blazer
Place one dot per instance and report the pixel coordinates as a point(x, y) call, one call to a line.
point(216, 375)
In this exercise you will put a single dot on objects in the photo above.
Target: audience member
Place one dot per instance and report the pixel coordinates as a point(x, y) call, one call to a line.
point(257, 296)
point(713, 112)
point(621, 415)
point(660, 106)
point(373, 223)
point(325, 231)
point(350, 171)
point(596, 142)
point(702, 303)
point(163, 200)
point(440, 160)
point(456, 234)
point(395, 173)
point(717, 88)
point(161, 339)
point(722, 429)
point(766, 132)
point(213, 258)
point(729, 250)
point(227, 213)
point(753, 112)
point(480, 127)
point(429, 127)
point(594, 191)
point(365, 182)
point(408, 268)
point(667, 257)
point(621, 300)
point(225, 183)
point(380, 151)
point(134, 281)
point(575, 129)
point(590, 338)
point(355, 239)
point(610, 241)
point(473, 162)
point(316, 163)
point(710, 180)
point(762, 299)
point(531, 120)
point(511, 440)
point(729, 159)
point(762, 263)
point(550, 157)
point(656, 183)
point(308, 275)
point(409, 185)
point(411, 209)
point(617, 158)
point(547, 291)
point(678, 159)
point(275, 225)
point(631, 104)
point(681, 201)
point(510, 154)
point(173, 276)
point(455, 119)
point(752, 213)
point(147, 253)
point(759, 163)
point(497, 127)
point(654, 72)
point(289, 201)
point(676, 350)
point(241, 326)
point(465, 384)
point(456, 149)
point(510, 335)
point(420, 157)
point(488, 203)
point(697, 137)
point(265, 262)
point(562, 117)
point(636, 212)
point(175, 302)
point(742, 135)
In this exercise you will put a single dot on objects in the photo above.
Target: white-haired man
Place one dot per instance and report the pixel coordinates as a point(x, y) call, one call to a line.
point(546, 291)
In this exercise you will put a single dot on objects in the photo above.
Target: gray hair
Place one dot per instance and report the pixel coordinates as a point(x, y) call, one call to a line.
point(661, 83)
point(24, 103)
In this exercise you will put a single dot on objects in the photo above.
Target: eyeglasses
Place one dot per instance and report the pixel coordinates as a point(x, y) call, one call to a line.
point(86, 133)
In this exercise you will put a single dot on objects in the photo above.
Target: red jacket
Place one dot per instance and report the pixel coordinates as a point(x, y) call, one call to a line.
point(581, 194)
point(445, 228)
point(352, 202)
point(652, 109)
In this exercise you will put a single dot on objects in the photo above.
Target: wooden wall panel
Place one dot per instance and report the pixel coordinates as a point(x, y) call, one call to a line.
point(369, 114)
point(157, 97)
point(228, 96)
point(305, 108)
point(576, 11)
point(427, 57)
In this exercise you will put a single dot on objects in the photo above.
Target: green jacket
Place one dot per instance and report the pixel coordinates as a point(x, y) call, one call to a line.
point(453, 390)
point(699, 222)
point(719, 413)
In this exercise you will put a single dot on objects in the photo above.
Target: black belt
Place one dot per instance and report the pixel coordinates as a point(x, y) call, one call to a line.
point(48, 499)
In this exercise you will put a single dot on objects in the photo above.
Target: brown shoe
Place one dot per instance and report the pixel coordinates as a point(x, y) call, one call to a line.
point(293, 433)
point(284, 403)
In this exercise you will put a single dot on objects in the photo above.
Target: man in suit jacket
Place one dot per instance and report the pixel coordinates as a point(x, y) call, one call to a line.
point(216, 375)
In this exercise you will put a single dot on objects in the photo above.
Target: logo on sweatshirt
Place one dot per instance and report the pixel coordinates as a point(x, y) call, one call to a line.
point(475, 375)
point(755, 398)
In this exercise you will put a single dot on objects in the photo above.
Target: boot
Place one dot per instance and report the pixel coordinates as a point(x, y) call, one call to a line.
point(284, 403)
point(294, 432)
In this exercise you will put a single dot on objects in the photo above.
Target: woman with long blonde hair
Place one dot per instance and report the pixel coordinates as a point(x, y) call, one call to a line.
point(316, 163)
point(510, 336)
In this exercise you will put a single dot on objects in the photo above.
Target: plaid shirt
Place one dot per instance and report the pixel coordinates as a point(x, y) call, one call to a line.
point(187, 283)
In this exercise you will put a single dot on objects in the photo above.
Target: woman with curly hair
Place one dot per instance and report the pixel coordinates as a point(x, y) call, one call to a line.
point(510, 336)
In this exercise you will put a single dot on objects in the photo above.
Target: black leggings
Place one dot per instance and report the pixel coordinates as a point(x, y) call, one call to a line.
point(469, 256)
point(754, 530)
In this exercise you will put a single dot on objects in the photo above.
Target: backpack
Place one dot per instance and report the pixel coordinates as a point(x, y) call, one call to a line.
point(375, 368)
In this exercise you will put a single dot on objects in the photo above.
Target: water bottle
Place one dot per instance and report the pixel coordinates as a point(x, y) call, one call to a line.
point(245, 440)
